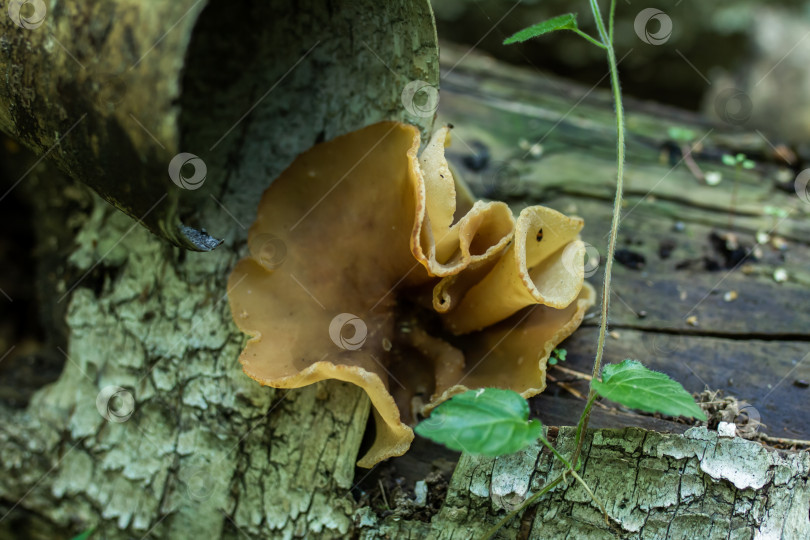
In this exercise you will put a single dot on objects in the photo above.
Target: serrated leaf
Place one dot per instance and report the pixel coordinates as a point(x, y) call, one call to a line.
point(562, 22)
point(637, 387)
point(490, 421)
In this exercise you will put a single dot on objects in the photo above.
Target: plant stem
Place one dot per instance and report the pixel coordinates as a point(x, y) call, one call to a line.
point(617, 212)
point(528, 502)
point(593, 497)
point(589, 38)
point(554, 451)
point(606, 37)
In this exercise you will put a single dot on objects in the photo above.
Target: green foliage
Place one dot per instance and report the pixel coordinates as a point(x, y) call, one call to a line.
point(557, 355)
point(637, 387)
point(681, 134)
point(489, 421)
point(85, 535)
point(562, 22)
point(737, 161)
point(775, 212)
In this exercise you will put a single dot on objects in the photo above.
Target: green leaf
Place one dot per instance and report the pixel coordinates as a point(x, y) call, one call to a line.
point(635, 386)
point(681, 134)
point(563, 22)
point(729, 160)
point(557, 355)
point(85, 535)
point(490, 421)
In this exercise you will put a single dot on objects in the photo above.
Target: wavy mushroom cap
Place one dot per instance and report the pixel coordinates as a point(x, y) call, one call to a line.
point(358, 272)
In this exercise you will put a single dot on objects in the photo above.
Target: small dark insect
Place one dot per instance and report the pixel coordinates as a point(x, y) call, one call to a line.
point(539, 235)
point(801, 383)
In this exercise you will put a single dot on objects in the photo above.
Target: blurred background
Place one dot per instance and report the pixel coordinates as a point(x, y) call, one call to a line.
point(696, 50)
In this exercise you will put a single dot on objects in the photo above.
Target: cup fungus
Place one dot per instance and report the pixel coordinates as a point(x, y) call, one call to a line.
point(369, 266)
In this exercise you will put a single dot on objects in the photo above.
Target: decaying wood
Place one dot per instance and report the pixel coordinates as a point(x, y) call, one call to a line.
point(653, 485)
point(207, 452)
point(113, 90)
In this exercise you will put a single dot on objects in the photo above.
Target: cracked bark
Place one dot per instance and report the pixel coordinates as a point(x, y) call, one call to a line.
point(653, 486)
point(206, 452)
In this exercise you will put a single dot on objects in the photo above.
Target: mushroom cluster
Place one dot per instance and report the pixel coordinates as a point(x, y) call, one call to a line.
point(368, 265)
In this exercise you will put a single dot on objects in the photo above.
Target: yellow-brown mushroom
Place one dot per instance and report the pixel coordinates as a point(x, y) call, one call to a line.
point(359, 271)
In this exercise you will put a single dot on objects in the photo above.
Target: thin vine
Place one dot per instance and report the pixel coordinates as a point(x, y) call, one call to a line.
point(475, 412)
point(606, 37)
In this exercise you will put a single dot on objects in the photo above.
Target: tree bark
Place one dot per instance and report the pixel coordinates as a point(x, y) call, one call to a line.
point(113, 90)
point(182, 444)
point(696, 485)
